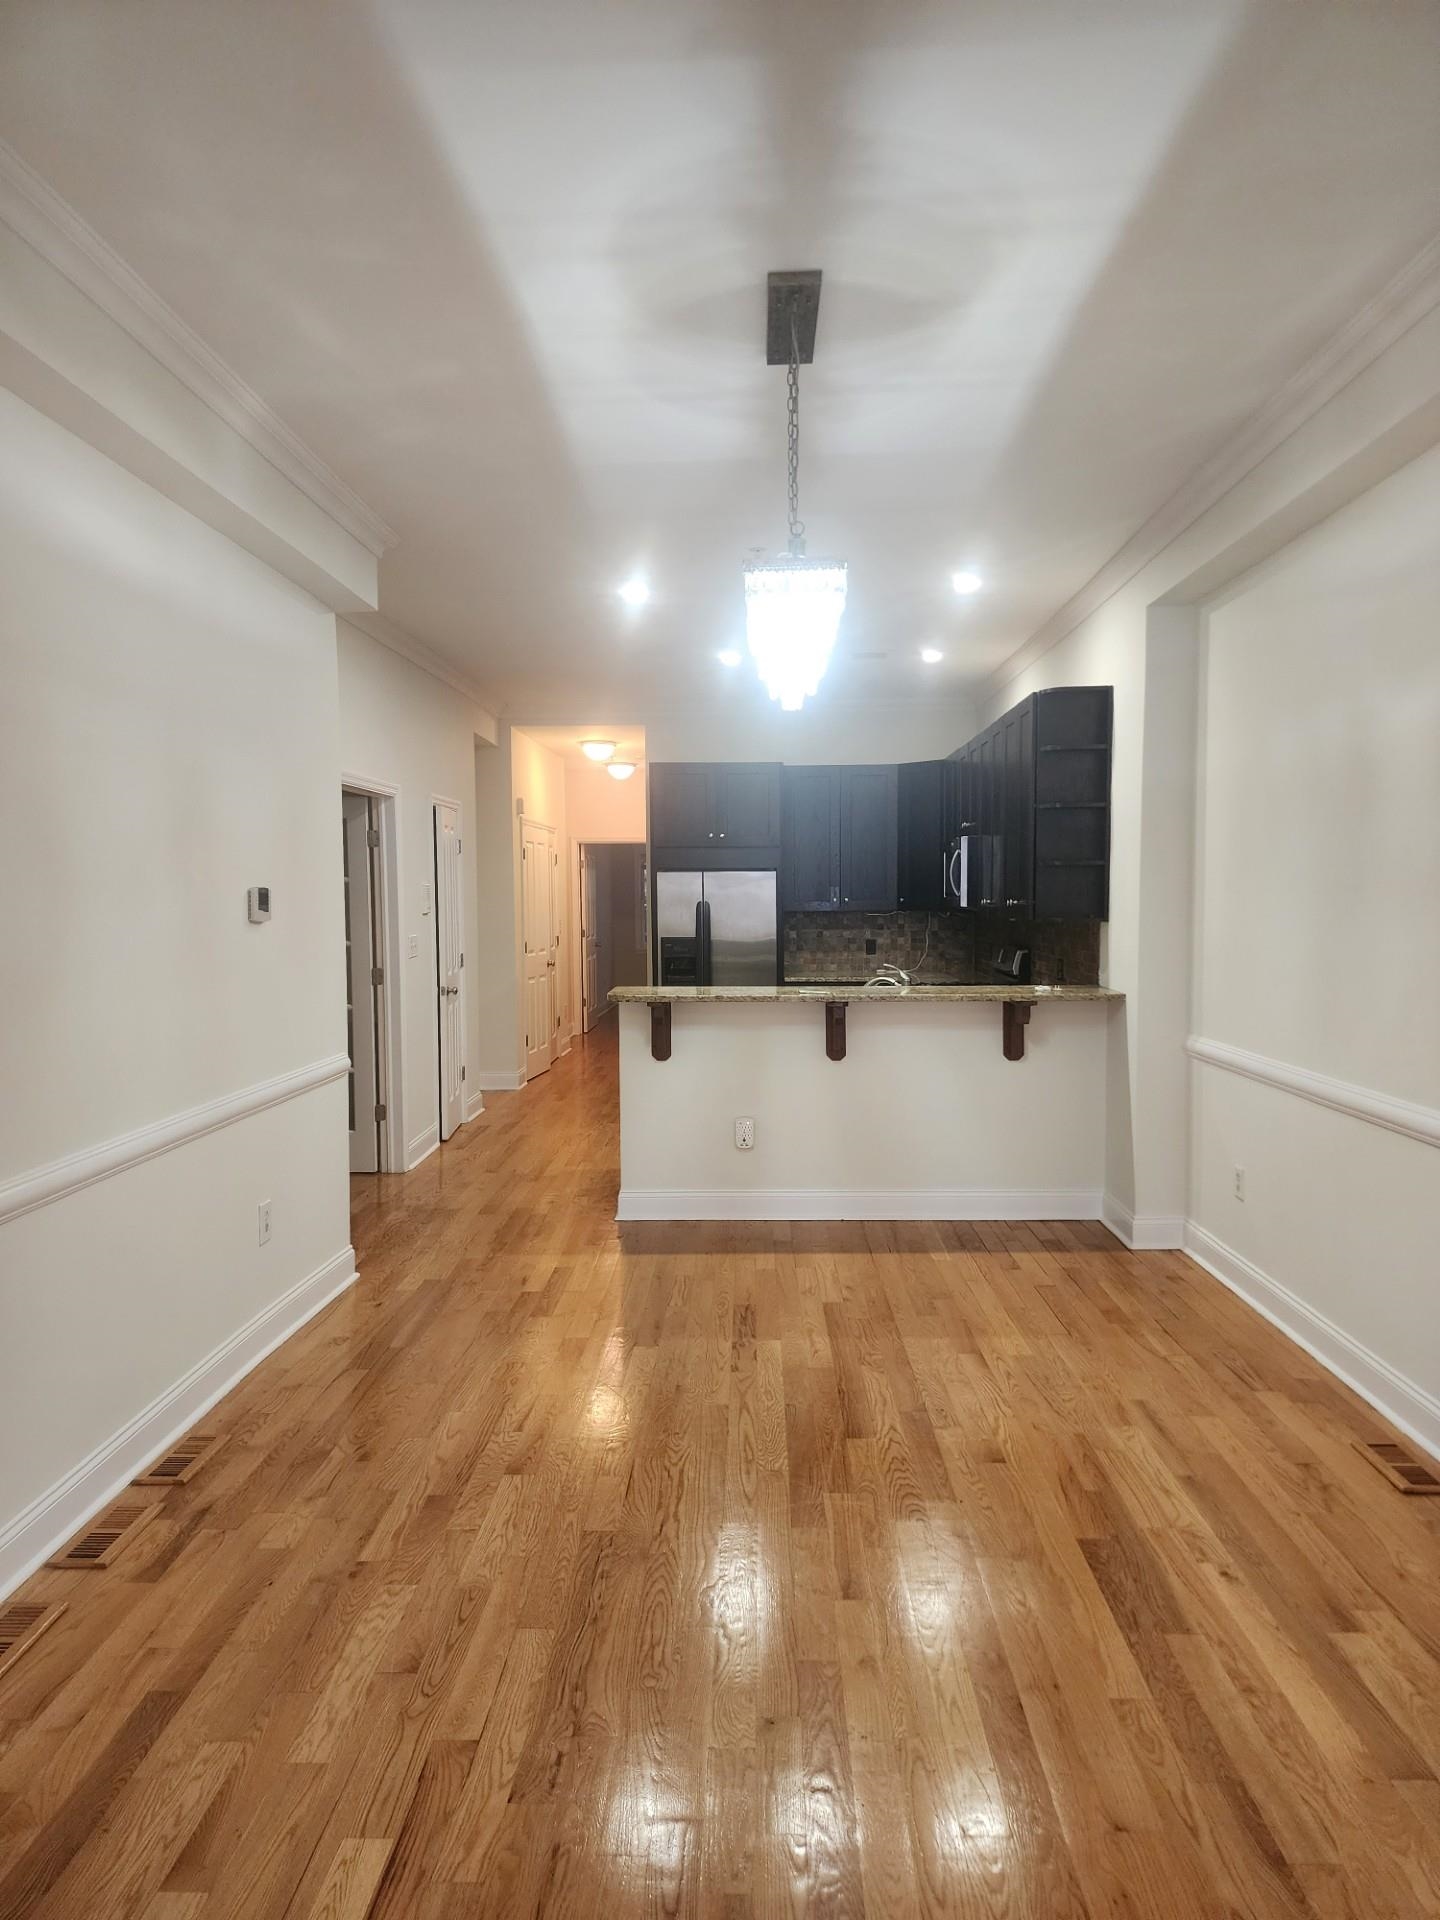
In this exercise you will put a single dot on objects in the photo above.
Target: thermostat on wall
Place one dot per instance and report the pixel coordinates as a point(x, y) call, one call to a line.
point(258, 902)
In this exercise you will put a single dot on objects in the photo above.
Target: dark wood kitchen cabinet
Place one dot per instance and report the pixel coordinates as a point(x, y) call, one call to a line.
point(715, 806)
point(868, 838)
point(747, 803)
point(809, 839)
point(922, 839)
point(1016, 774)
point(1032, 793)
point(838, 839)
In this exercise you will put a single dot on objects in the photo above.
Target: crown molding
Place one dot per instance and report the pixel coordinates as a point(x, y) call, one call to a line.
point(1388, 314)
point(60, 236)
point(376, 627)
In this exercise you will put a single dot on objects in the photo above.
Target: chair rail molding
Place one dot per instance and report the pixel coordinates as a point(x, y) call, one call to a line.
point(44, 1184)
point(58, 234)
point(1362, 1103)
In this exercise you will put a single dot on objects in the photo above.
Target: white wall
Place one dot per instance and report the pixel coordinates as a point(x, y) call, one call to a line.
point(601, 809)
point(401, 727)
point(923, 1119)
point(1141, 636)
point(167, 739)
point(747, 726)
point(1318, 920)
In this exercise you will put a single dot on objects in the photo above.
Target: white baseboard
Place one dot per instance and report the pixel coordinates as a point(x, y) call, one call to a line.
point(28, 1540)
point(1142, 1232)
point(1402, 1402)
point(474, 1105)
point(834, 1203)
point(422, 1146)
point(500, 1079)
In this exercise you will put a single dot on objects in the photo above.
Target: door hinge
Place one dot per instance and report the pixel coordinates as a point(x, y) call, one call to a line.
point(372, 837)
point(462, 959)
point(380, 1111)
point(377, 976)
point(462, 1069)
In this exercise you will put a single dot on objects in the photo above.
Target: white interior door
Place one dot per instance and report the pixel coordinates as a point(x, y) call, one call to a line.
point(449, 962)
point(361, 982)
point(590, 939)
point(541, 939)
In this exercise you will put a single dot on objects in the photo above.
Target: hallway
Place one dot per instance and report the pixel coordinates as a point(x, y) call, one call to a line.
point(743, 1571)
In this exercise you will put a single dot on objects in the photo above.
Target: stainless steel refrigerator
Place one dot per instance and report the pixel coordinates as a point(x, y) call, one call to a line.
point(716, 929)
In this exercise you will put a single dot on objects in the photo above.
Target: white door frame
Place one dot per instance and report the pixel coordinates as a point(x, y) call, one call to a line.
point(444, 800)
point(391, 1051)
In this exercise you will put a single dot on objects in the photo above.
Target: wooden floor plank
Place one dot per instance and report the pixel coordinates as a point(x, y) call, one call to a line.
point(737, 1570)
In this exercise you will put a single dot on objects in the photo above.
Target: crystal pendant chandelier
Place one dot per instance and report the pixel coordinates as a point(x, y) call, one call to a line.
point(793, 604)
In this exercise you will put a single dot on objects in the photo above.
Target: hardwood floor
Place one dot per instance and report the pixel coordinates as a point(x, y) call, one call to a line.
point(743, 1571)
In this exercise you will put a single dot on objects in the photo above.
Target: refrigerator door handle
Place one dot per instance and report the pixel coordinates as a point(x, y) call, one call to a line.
point(702, 943)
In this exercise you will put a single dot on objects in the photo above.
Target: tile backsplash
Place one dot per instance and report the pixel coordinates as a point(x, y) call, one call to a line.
point(1063, 953)
point(831, 946)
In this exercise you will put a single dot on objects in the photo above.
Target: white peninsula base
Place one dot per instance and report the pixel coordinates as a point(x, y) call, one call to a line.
point(923, 1119)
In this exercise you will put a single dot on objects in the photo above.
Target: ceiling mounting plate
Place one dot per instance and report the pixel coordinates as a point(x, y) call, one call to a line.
point(791, 298)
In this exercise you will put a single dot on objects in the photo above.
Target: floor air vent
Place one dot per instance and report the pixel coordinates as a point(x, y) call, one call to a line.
point(21, 1625)
point(1400, 1466)
point(105, 1538)
point(182, 1462)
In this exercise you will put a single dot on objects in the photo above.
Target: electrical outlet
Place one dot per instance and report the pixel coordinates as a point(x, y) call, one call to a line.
point(264, 1221)
point(1239, 1183)
point(745, 1135)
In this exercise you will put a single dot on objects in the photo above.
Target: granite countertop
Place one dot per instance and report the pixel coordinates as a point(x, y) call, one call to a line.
point(817, 990)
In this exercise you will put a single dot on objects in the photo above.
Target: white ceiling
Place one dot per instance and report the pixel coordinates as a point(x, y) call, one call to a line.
point(502, 266)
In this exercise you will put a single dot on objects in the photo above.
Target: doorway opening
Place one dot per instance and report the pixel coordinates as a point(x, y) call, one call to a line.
point(614, 924)
point(367, 852)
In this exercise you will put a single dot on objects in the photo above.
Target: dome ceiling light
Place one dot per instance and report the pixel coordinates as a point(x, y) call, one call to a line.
point(793, 604)
point(620, 769)
point(598, 749)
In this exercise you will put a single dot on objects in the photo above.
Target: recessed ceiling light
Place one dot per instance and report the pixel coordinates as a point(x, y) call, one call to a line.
point(620, 769)
point(932, 656)
point(597, 749)
point(728, 657)
point(966, 580)
point(635, 591)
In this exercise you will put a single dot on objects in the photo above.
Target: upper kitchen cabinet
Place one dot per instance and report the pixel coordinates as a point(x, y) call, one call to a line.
point(922, 838)
point(868, 838)
point(1028, 809)
point(716, 806)
point(1071, 787)
point(809, 838)
point(1015, 773)
point(748, 803)
point(838, 839)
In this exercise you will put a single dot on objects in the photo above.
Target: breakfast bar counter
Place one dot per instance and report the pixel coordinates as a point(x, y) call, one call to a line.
point(737, 1103)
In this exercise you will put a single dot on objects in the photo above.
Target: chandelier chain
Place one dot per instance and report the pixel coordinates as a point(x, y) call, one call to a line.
point(797, 525)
